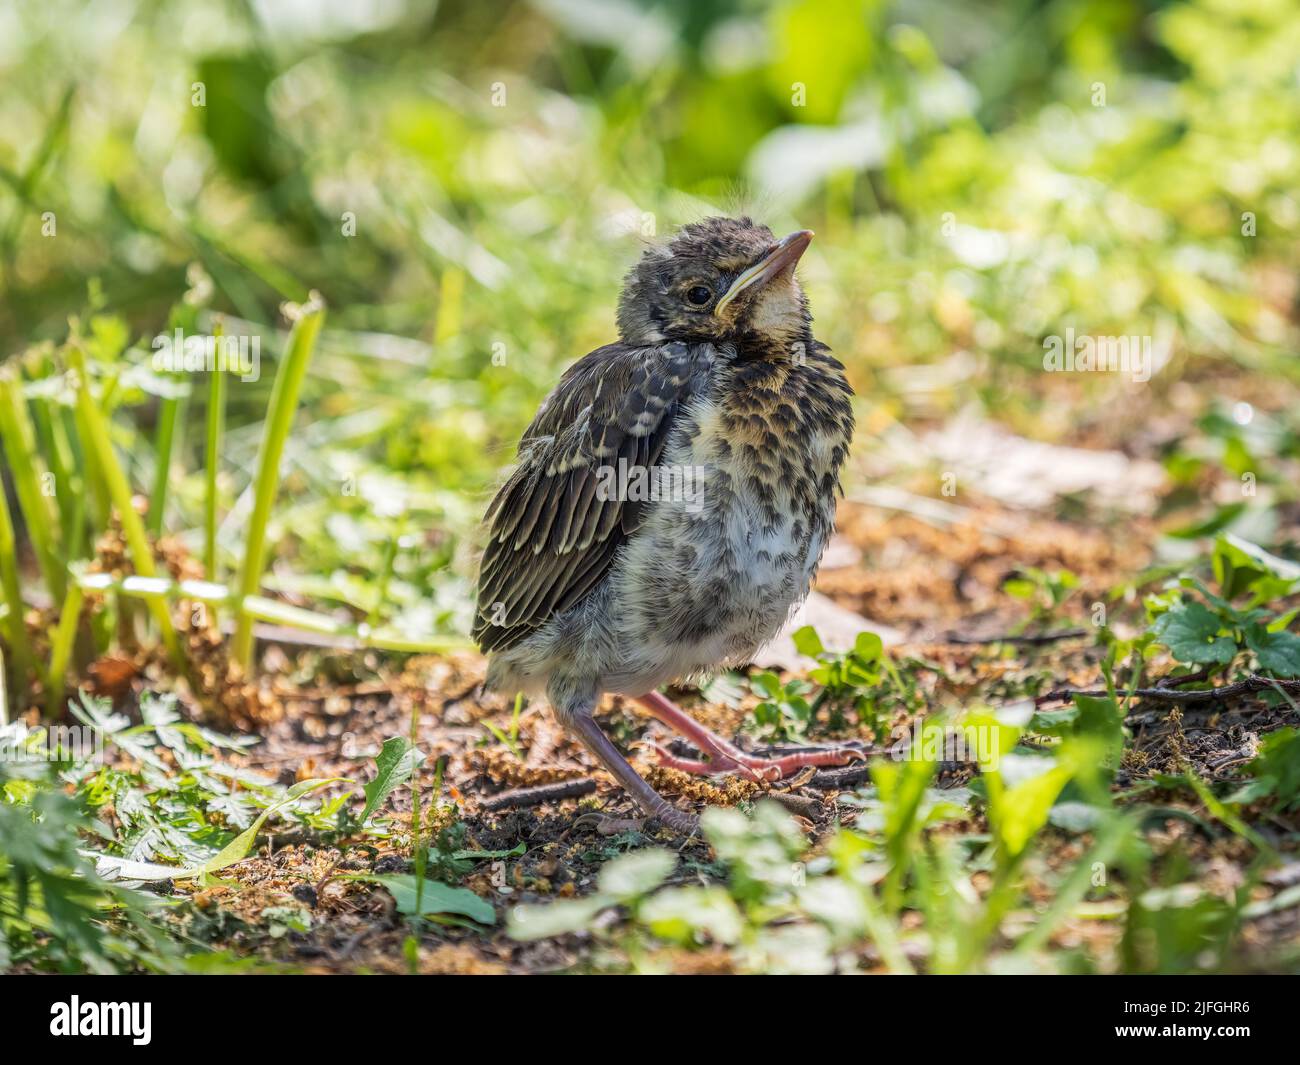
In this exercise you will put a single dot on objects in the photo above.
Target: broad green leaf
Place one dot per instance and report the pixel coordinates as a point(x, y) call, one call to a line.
point(1278, 652)
point(1239, 564)
point(1277, 767)
point(679, 913)
point(838, 904)
point(637, 873)
point(807, 642)
point(526, 923)
point(766, 683)
point(397, 761)
point(435, 898)
point(1191, 632)
point(869, 646)
point(1102, 719)
point(1022, 809)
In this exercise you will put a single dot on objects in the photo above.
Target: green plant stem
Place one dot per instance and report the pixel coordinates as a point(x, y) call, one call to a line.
point(385, 577)
point(93, 478)
point(61, 649)
point(168, 416)
point(262, 609)
point(120, 492)
point(19, 440)
point(12, 592)
point(216, 416)
point(53, 437)
point(289, 376)
point(418, 853)
point(1108, 842)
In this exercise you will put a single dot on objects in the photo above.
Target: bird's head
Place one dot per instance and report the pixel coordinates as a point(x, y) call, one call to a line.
point(722, 279)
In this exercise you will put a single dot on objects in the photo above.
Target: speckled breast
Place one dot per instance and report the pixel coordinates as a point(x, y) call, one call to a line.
point(713, 576)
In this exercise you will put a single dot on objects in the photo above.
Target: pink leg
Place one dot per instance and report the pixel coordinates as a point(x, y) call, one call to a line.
point(726, 757)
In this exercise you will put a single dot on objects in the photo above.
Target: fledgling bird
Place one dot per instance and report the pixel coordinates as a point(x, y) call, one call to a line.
point(588, 585)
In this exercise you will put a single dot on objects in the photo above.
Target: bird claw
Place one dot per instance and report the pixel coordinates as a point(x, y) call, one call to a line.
point(706, 768)
point(760, 769)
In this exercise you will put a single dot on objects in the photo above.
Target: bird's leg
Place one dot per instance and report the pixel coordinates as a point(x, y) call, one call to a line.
point(724, 756)
point(654, 804)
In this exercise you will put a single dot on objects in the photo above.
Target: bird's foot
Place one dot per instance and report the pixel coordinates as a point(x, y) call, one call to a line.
point(654, 804)
point(725, 757)
point(678, 820)
point(729, 759)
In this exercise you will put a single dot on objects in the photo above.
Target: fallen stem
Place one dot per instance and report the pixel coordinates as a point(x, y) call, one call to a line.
point(344, 636)
point(1247, 686)
point(540, 793)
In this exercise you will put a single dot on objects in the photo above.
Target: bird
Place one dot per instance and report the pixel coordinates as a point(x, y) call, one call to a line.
point(671, 500)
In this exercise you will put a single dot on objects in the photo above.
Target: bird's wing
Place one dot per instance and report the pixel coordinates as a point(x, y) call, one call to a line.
point(553, 536)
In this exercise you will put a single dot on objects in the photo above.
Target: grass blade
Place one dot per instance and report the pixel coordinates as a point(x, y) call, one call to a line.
point(61, 649)
point(9, 587)
point(216, 417)
point(289, 376)
point(137, 541)
point(19, 439)
point(168, 415)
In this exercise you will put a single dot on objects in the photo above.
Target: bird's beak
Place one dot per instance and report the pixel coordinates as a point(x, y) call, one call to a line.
point(786, 253)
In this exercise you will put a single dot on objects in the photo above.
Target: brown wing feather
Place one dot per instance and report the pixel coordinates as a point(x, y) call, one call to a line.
point(552, 535)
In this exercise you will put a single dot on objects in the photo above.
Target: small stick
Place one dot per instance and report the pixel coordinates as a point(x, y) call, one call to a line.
point(564, 789)
point(1248, 686)
point(1032, 640)
point(1171, 681)
point(802, 805)
point(847, 777)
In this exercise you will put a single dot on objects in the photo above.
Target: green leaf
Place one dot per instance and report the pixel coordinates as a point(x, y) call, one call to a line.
point(1278, 652)
point(1219, 520)
point(636, 874)
point(395, 765)
point(527, 923)
point(1240, 566)
point(1024, 807)
point(236, 850)
point(1104, 720)
point(435, 898)
point(1075, 817)
point(1277, 766)
point(677, 914)
point(516, 851)
point(807, 642)
point(869, 646)
point(1191, 632)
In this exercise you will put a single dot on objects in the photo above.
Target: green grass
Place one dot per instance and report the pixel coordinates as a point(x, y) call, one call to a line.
point(289, 376)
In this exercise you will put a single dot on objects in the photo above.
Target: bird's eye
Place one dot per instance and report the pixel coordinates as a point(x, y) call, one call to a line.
point(699, 295)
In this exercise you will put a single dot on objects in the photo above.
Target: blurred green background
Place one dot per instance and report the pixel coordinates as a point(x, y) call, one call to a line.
point(466, 183)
